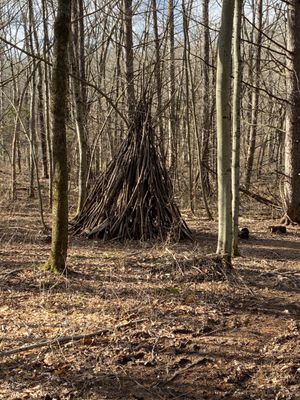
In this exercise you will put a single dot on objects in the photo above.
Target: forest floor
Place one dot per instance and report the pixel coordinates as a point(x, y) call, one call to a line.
point(173, 326)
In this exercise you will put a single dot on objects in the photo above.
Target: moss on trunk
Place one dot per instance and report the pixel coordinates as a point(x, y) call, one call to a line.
point(59, 243)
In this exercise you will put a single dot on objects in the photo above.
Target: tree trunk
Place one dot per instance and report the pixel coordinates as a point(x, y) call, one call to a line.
point(187, 106)
point(32, 141)
point(223, 89)
point(78, 70)
point(47, 99)
point(41, 110)
point(2, 94)
point(292, 139)
point(59, 244)
point(255, 98)
point(40, 92)
point(157, 72)
point(172, 146)
point(32, 113)
point(15, 139)
point(128, 47)
point(206, 97)
point(236, 129)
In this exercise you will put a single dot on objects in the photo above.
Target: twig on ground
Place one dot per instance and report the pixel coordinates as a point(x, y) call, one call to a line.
point(14, 271)
point(67, 339)
point(143, 387)
point(240, 279)
point(182, 370)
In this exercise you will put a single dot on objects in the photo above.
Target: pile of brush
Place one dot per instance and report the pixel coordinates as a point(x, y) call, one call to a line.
point(133, 198)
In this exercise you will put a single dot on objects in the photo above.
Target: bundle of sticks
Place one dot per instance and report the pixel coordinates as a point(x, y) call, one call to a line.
point(133, 198)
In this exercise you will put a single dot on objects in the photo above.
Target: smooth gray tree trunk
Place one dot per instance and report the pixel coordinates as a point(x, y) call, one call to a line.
point(236, 121)
point(223, 90)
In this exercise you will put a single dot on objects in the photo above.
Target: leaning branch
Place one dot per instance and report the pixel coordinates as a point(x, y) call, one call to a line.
point(260, 198)
point(253, 196)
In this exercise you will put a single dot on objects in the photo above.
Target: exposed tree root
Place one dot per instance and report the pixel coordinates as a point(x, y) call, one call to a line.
point(286, 220)
point(53, 267)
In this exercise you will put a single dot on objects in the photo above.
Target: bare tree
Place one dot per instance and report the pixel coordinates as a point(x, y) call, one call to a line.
point(128, 47)
point(59, 244)
point(236, 121)
point(172, 145)
point(79, 78)
point(157, 71)
point(223, 90)
point(206, 120)
point(255, 96)
point(292, 139)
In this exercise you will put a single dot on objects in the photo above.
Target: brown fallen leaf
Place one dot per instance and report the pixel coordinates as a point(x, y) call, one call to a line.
point(61, 370)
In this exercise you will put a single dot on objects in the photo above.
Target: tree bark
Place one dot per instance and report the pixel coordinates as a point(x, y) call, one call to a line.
point(223, 89)
point(292, 139)
point(157, 72)
point(236, 129)
point(78, 69)
point(172, 146)
point(32, 141)
point(32, 113)
point(47, 99)
point(59, 244)
point(128, 47)
point(255, 98)
point(40, 92)
point(186, 48)
point(206, 120)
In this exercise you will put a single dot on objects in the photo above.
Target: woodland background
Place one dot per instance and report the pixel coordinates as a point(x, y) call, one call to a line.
point(174, 58)
point(145, 319)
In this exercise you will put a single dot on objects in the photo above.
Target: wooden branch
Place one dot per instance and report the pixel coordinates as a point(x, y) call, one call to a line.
point(14, 271)
point(254, 196)
point(67, 339)
point(200, 360)
point(133, 198)
point(268, 37)
point(260, 198)
point(93, 86)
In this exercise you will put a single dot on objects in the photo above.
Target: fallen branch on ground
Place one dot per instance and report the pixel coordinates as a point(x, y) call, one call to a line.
point(201, 360)
point(14, 271)
point(67, 339)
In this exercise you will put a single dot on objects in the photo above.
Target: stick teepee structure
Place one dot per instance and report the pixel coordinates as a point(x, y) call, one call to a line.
point(133, 198)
